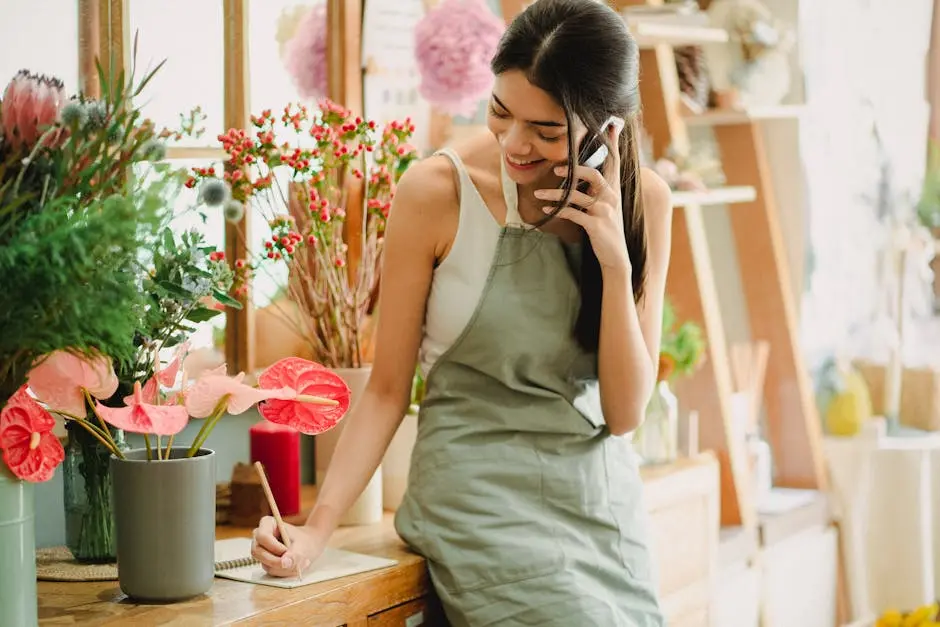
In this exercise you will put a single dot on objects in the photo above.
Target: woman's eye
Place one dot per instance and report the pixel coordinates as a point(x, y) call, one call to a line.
point(496, 113)
point(549, 139)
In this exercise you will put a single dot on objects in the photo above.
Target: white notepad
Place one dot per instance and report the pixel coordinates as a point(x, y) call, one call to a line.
point(233, 561)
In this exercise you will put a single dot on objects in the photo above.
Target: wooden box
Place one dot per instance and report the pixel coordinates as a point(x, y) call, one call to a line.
point(920, 394)
point(682, 500)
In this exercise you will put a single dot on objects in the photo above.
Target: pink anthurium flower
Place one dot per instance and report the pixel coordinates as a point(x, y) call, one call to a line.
point(60, 379)
point(215, 391)
point(139, 416)
point(30, 449)
point(163, 376)
point(322, 396)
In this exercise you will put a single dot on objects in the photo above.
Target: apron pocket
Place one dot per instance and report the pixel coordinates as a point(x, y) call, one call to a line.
point(485, 522)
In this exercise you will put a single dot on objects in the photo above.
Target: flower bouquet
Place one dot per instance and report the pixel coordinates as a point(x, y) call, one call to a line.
point(301, 189)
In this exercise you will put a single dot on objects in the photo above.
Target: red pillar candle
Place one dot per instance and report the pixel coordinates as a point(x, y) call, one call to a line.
point(278, 449)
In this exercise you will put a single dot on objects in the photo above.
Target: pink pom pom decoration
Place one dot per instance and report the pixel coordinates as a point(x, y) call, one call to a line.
point(305, 54)
point(454, 44)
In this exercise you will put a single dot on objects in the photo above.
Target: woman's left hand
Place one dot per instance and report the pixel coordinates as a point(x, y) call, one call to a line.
point(599, 211)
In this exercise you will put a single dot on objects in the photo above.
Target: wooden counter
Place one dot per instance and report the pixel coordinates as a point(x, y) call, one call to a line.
point(379, 598)
point(682, 499)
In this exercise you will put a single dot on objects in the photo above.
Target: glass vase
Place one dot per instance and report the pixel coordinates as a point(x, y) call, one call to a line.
point(656, 440)
point(89, 513)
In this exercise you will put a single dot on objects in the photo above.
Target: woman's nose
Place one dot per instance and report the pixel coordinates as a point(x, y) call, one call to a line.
point(515, 141)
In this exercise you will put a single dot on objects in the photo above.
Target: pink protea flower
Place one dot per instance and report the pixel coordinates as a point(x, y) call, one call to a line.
point(61, 379)
point(305, 54)
point(31, 103)
point(30, 449)
point(139, 416)
point(454, 44)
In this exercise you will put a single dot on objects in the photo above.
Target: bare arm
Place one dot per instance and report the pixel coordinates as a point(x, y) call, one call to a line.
point(420, 228)
point(412, 244)
point(630, 334)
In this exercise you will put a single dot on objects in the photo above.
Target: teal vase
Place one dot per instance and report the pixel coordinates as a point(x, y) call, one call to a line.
point(89, 512)
point(18, 605)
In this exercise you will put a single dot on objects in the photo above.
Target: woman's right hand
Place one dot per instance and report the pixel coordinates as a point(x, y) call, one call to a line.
point(306, 545)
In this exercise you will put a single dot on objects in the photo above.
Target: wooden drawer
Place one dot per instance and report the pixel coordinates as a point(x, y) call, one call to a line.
point(684, 520)
point(423, 612)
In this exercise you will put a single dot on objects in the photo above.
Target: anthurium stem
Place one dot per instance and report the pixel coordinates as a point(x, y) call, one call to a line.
point(95, 432)
point(147, 443)
point(208, 425)
point(104, 425)
point(169, 447)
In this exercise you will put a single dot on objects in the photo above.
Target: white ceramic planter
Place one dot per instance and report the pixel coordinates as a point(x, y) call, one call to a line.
point(17, 552)
point(397, 461)
point(367, 509)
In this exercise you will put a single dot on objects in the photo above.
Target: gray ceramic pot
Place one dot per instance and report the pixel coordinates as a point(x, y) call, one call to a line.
point(17, 552)
point(164, 517)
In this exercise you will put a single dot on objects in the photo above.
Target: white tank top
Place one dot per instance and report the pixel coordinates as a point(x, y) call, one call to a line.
point(458, 282)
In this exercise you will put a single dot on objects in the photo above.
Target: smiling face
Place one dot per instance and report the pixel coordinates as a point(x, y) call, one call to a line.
point(530, 127)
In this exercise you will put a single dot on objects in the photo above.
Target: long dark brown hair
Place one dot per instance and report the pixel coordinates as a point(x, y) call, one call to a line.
point(581, 53)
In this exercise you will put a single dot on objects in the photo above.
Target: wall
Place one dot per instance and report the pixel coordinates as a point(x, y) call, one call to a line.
point(864, 65)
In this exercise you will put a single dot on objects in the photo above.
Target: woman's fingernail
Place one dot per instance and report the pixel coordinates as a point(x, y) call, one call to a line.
point(539, 193)
point(561, 169)
point(287, 562)
point(547, 209)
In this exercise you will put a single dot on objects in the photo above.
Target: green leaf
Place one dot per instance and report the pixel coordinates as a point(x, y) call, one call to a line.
point(202, 314)
point(225, 299)
point(174, 289)
point(169, 243)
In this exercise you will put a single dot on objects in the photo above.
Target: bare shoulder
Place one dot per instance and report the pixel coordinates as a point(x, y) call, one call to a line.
point(657, 197)
point(429, 184)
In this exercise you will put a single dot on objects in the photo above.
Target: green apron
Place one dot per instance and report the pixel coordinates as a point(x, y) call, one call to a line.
point(528, 511)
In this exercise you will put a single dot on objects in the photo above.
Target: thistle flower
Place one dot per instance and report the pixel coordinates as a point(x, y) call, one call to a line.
point(153, 150)
point(30, 104)
point(214, 192)
point(74, 114)
point(233, 211)
point(97, 114)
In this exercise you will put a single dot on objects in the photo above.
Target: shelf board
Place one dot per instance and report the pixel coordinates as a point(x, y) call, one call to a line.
point(717, 196)
point(195, 153)
point(788, 511)
point(650, 34)
point(736, 545)
point(724, 117)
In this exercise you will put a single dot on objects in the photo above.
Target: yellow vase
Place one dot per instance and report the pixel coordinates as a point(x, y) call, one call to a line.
point(850, 407)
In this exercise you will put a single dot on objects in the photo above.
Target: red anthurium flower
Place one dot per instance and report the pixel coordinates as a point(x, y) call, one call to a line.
point(59, 378)
point(30, 449)
point(204, 397)
point(139, 416)
point(322, 395)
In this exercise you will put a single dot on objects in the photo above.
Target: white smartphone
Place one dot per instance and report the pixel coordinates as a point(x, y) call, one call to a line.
point(597, 150)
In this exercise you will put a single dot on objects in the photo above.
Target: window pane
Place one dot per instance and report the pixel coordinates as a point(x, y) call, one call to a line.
point(189, 35)
point(271, 23)
point(41, 36)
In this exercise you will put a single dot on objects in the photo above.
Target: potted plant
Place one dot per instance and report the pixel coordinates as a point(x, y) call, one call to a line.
point(681, 350)
point(296, 169)
point(71, 227)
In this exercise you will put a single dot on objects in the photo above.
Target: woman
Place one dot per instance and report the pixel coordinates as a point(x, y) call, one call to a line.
point(536, 315)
